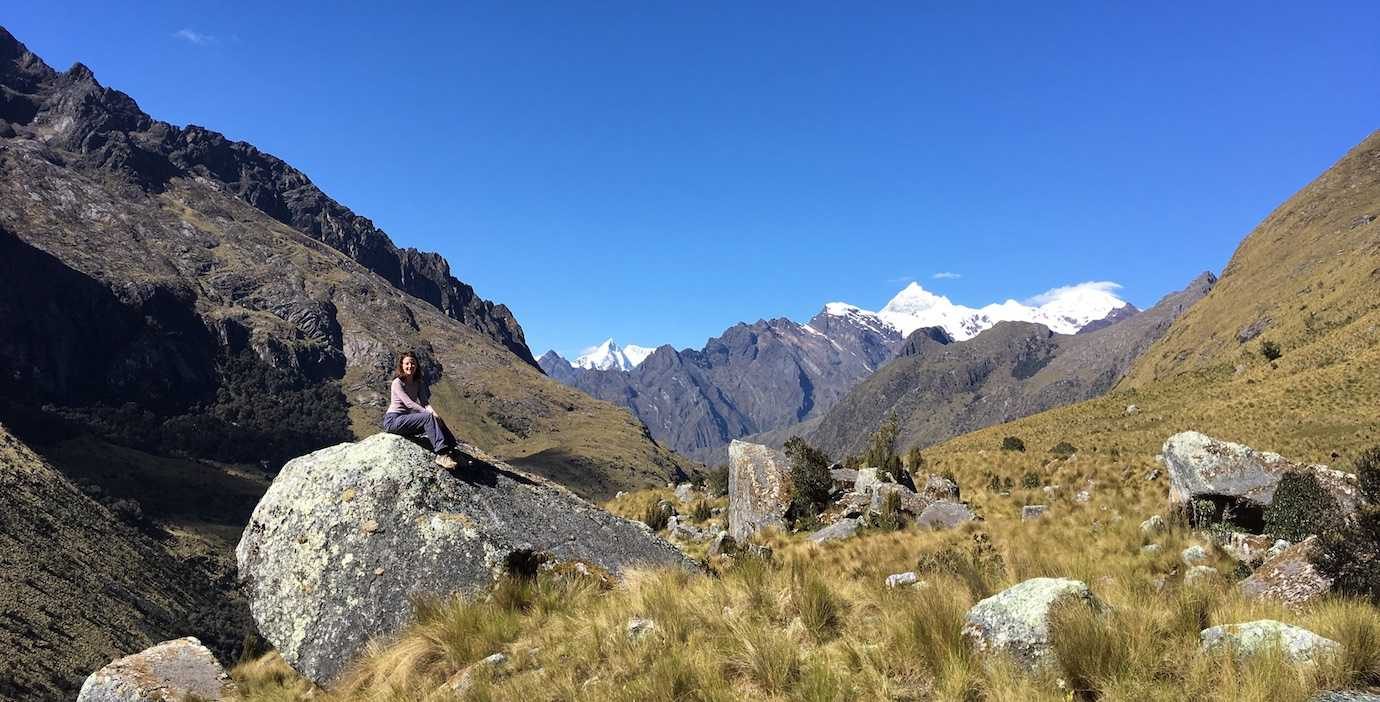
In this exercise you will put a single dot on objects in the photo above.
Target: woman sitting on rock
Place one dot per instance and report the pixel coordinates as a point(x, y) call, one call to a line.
point(410, 413)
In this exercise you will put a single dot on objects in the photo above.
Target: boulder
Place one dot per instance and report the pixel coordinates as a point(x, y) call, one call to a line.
point(1290, 576)
point(865, 480)
point(902, 579)
point(1200, 574)
point(938, 487)
point(1193, 555)
point(1015, 621)
point(1250, 638)
point(945, 515)
point(639, 627)
point(843, 478)
point(1151, 550)
point(757, 497)
point(911, 503)
point(1250, 549)
point(1030, 512)
point(169, 672)
point(346, 538)
point(1152, 526)
point(854, 504)
point(722, 545)
point(686, 493)
point(842, 529)
point(1201, 467)
point(679, 529)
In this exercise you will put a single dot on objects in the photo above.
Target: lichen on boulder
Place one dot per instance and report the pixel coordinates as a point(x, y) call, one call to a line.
point(172, 671)
point(348, 537)
point(1016, 621)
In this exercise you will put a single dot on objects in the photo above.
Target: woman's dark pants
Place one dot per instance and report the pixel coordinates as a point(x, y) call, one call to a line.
point(417, 423)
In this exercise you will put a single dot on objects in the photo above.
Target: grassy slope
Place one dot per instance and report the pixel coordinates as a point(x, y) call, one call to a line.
point(820, 625)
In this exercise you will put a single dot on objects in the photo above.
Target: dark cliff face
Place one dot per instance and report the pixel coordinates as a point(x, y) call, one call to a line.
point(753, 378)
point(104, 128)
point(176, 292)
point(939, 389)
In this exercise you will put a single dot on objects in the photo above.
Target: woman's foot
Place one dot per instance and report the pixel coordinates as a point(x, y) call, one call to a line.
point(446, 461)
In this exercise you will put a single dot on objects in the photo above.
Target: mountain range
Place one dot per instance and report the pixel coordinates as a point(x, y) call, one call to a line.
point(775, 374)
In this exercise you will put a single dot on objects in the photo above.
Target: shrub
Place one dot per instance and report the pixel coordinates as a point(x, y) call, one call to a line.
point(1270, 350)
point(1012, 443)
point(716, 481)
point(810, 481)
point(657, 515)
point(889, 517)
point(915, 460)
point(1351, 554)
point(1301, 507)
point(1063, 449)
point(1030, 480)
point(881, 453)
point(701, 511)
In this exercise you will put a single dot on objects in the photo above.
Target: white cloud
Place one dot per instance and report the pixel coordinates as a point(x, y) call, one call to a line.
point(946, 275)
point(1103, 287)
point(192, 36)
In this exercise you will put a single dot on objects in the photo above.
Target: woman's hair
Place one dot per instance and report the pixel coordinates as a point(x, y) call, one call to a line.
point(398, 371)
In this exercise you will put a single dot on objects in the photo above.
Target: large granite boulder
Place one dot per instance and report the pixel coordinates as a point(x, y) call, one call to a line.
point(172, 671)
point(757, 493)
point(842, 529)
point(945, 515)
point(1290, 576)
point(348, 537)
point(1203, 467)
point(1015, 621)
point(1251, 638)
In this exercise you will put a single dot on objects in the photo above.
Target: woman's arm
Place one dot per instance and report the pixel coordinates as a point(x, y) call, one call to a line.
point(401, 396)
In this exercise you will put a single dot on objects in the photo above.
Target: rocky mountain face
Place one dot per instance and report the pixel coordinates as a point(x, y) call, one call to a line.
point(752, 378)
point(80, 585)
point(938, 388)
point(169, 289)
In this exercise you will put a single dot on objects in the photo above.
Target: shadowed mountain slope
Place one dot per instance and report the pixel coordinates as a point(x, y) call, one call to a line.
point(177, 292)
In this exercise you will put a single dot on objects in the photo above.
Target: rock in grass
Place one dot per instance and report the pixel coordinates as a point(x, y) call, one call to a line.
point(1152, 526)
point(1290, 576)
point(902, 579)
point(1030, 512)
point(1015, 621)
point(1200, 574)
point(169, 672)
point(1151, 550)
point(639, 627)
point(722, 545)
point(1252, 638)
point(320, 587)
point(1203, 467)
point(686, 493)
point(461, 682)
point(938, 487)
point(842, 529)
point(945, 515)
point(1194, 555)
point(757, 495)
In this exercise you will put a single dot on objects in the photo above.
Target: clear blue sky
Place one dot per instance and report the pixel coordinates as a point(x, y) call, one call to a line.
point(658, 171)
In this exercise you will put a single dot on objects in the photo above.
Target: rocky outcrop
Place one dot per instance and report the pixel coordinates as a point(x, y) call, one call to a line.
point(1297, 644)
point(172, 671)
point(757, 497)
point(1290, 576)
point(347, 537)
point(1016, 622)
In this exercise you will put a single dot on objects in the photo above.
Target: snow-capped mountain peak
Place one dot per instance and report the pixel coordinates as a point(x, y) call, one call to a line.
point(610, 356)
point(1064, 310)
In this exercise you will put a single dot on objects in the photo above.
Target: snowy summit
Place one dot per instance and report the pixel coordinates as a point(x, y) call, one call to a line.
point(1064, 310)
point(609, 356)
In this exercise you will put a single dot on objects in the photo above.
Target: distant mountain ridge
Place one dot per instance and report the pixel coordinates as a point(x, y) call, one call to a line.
point(776, 374)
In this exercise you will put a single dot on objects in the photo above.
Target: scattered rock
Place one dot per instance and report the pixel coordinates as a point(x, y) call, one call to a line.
point(1200, 574)
point(1151, 550)
point(1131, 409)
point(679, 529)
point(1152, 526)
point(1015, 621)
point(854, 504)
point(169, 672)
point(842, 529)
point(843, 478)
point(320, 590)
point(1250, 549)
point(1290, 576)
point(865, 480)
point(757, 497)
point(911, 503)
point(1082, 497)
point(945, 515)
point(639, 628)
point(461, 682)
point(938, 487)
point(1252, 330)
point(1194, 555)
point(1153, 474)
point(902, 579)
point(1297, 644)
point(1030, 512)
point(722, 545)
point(686, 493)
